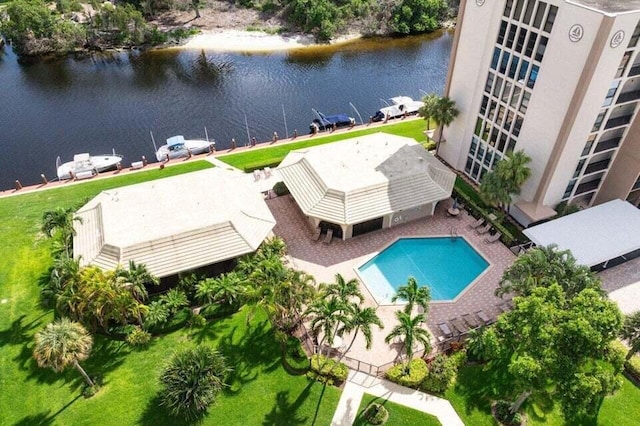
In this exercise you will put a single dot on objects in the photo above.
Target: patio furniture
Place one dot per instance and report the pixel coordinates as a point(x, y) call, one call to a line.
point(493, 238)
point(256, 175)
point(504, 307)
point(453, 211)
point(486, 319)
point(267, 172)
point(444, 328)
point(475, 224)
point(459, 325)
point(471, 321)
point(328, 237)
point(484, 229)
point(316, 234)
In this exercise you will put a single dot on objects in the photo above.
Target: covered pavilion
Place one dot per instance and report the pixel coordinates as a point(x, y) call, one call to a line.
point(174, 224)
point(366, 183)
point(597, 236)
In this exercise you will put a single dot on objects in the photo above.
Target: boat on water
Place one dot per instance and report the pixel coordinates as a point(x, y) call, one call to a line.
point(86, 166)
point(400, 106)
point(179, 147)
point(322, 122)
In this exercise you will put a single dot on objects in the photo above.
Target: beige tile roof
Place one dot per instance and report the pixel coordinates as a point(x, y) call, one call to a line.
point(174, 224)
point(364, 178)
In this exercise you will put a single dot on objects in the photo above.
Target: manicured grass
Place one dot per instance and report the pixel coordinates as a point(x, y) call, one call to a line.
point(251, 160)
point(399, 415)
point(261, 392)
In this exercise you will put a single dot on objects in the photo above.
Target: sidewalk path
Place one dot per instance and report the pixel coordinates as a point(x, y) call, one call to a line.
point(360, 383)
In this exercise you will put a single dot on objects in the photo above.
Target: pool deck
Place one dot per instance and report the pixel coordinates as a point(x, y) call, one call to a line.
point(324, 261)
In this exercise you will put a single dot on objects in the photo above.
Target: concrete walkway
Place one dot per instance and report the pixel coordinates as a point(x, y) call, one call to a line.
point(359, 383)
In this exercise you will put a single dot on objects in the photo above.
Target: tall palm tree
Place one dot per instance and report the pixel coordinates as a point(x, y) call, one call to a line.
point(414, 295)
point(327, 318)
point(410, 331)
point(631, 332)
point(444, 113)
point(63, 343)
point(361, 320)
point(427, 111)
point(60, 222)
point(227, 289)
point(515, 170)
point(344, 290)
point(136, 278)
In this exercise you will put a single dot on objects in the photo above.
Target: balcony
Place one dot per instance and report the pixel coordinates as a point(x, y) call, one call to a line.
point(607, 145)
point(635, 70)
point(587, 187)
point(618, 121)
point(628, 96)
point(597, 166)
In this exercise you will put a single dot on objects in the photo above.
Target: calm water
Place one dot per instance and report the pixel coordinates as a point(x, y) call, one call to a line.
point(446, 265)
point(113, 100)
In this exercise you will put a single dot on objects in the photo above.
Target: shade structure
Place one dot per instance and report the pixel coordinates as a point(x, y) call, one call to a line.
point(174, 224)
point(364, 178)
point(594, 235)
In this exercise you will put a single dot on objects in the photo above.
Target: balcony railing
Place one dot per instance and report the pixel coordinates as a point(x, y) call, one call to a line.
point(635, 70)
point(618, 121)
point(628, 96)
point(608, 144)
point(587, 187)
point(597, 166)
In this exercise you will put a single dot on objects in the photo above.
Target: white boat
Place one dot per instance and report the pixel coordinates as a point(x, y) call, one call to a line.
point(178, 147)
point(86, 166)
point(400, 106)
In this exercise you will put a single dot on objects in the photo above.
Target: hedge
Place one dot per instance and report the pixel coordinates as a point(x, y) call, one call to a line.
point(328, 370)
point(417, 372)
point(633, 366)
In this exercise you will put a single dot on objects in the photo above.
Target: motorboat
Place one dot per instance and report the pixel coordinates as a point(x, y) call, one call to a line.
point(322, 122)
point(400, 106)
point(179, 147)
point(85, 166)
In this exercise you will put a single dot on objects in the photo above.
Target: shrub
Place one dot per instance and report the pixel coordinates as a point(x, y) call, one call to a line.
point(138, 337)
point(441, 371)
point(616, 354)
point(417, 372)
point(280, 189)
point(327, 370)
point(197, 321)
point(633, 366)
point(504, 415)
point(376, 414)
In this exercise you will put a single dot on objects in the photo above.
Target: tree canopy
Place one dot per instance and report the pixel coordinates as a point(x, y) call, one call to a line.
point(503, 182)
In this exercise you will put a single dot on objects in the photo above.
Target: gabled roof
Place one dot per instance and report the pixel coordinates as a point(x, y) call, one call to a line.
point(364, 178)
point(173, 225)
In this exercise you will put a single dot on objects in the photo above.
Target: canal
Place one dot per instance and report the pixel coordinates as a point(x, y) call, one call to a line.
point(113, 100)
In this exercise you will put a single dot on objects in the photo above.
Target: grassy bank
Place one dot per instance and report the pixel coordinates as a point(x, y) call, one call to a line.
point(399, 415)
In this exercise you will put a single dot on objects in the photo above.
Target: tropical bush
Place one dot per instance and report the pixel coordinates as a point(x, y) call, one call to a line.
point(280, 189)
point(138, 337)
point(417, 16)
point(192, 380)
point(417, 372)
point(632, 366)
point(505, 416)
point(441, 372)
point(327, 370)
point(376, 414)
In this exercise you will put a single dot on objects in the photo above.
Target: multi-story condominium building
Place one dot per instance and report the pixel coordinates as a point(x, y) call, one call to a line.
point(559, 79)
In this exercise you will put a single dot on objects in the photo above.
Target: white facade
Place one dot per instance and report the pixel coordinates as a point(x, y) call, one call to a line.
point(535, 76)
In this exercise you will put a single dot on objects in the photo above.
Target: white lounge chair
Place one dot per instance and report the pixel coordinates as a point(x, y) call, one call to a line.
point(475, 224)
point(484, 229)
point(267, 172)
point(328, 237)
point(316, 234)
point(493, 238)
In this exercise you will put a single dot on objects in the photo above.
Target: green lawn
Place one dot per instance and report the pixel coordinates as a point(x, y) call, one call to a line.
point(250, 160)
point(261, 392)
point(399, 415)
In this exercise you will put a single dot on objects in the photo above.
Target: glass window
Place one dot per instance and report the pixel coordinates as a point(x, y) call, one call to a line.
point(494, 138)
point(551, 18)
point(515, 98)
point(485, 133)
point(500, 116)
point(517, 126)
point(533, 76)
point(537, 20)
point(524, 67)
point(522, 35)
point(623, 64)
point(513, 67)
point(528, 11)
point(503, 142)
point(474, 146)
point(634, 38)
point(508, 122)
point(507, 91)
point(487, 87)
point(579, 168)
point(483, 107)
point(478, 128)
point(488, 157)
point(588, 145)
point(495, 59)
point(507, 8)
point(542, 46)
point(599, 120)
point(492, 110)
point(467, 167)
point(511, 36)
point(569, 190)
point(497, 87)
point(611, 93)
point(525, 102)
point(518, 10)
point(530, 44)
point(504, 62)
point(476, 169)
point(481, 149)
point(512, 145)
point(482, 173)
point(503, 30)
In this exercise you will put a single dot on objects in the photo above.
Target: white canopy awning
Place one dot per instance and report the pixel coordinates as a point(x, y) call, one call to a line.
point(594, 235)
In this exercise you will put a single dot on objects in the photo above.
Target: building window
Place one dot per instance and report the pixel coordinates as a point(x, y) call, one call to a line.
point(488, 158)
point(623, 64)
point(569, 190)
point(481, 148)
point(588, 145)
point(542, 47)
point(537, 20)
point(611, 93)
point(525, 101)
point(531, 44)
point(483, 106)
point(494, 137)
point(495, 59)
point(487, 87)
point(474, 146)
point(485, 132)
point(508, 122)
point(500, 116)
point(503, 142)
point(528, 12)
point(517, 126)
point(503, 30)
point(634, 38)
point(484, 172)
point(522, 35)
point(507, 8)
point(533, 76)
point(515, 98)
point(551, 18)
point(476, 169)
point(524, 67)
point(518, 10)
point(513, 67)
point(599, 120)
point(478, 128)
point(467, 167)
point(492, 110)
point(511, 36)
point(507, 90)
point(497, 87)
point(579, 168)
point(512, 145)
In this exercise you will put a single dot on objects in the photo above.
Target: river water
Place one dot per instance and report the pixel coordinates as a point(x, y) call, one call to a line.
point(113, 100)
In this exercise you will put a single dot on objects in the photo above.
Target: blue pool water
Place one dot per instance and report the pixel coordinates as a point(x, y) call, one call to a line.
point(446, 265)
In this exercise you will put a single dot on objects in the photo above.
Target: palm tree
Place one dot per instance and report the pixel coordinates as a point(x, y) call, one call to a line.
point(327, 318)
point(136, 278)
point(60, 222)
point(410, 331)
point(63, 343)
point(493, 191)
point(427, 111)
point(344, 290)
point(505, 180)
point(514, 169)
point(360, 320)
point(631, 333)
point(444, 113)
point(414, 295)
point(228, 289)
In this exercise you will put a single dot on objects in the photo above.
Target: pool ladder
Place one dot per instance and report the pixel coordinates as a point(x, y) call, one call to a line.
point(454, 233)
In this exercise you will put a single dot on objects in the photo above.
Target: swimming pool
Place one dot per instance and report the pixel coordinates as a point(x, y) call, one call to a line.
point(447, 265)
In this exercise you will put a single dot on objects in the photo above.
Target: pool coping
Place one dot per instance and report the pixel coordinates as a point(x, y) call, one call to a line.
point(455, 299)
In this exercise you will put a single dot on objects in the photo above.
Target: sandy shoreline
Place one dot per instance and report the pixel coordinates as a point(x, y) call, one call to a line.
point(255, 41)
